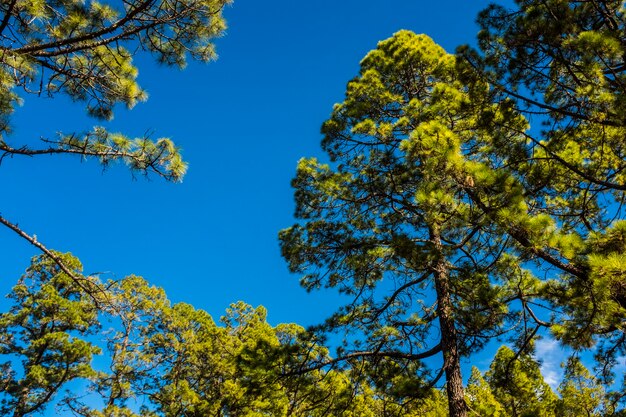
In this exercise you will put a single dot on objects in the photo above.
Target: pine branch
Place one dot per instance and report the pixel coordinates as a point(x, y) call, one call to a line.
point(160, 157)
point(369, 353)
point(88, 286)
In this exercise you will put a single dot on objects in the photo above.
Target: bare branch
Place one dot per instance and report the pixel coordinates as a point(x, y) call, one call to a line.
point(80, 281)
point(363, 354)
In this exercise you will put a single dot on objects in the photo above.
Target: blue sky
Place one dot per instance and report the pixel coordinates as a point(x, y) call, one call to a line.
point(243, 122)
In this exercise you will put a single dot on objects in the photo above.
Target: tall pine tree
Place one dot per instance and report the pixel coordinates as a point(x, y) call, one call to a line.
point(398, 221)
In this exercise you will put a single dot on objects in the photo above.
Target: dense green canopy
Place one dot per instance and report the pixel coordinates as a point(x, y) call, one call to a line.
point(143, 356)
point(84, 50)
point(562, 63)
point(466, 199)
point(439, 185)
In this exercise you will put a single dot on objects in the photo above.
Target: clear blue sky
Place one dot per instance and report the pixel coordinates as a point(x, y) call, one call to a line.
point(243, 122)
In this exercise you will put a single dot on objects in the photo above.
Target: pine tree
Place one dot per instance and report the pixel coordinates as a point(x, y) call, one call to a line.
point(480, 399)
point(581, 393)
point(517, 384)
point(562, 62)
point(397, 221)
point(83, 50)
point(44, 336)
point(158, 359)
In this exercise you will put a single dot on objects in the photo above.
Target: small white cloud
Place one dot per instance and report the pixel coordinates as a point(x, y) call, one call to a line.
point(551, 355)
point(620, 366)
point(551, 376)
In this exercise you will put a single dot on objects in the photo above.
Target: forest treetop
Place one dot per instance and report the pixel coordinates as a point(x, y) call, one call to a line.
point(447, 219)
point(84, 49)
point(488, 188)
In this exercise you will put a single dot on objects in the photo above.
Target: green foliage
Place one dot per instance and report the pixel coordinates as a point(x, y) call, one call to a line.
point(141, 154)
point(480, 399)
point(517, 384)
point(84, 50)
point(441, 202)
point(581, 393)
point(564, 61)
point(162, 360)
point(159, 359)
point(413, 205)
point(443, 217)
point(43, 336)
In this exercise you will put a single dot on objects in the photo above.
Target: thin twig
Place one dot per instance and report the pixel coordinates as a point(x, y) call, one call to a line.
point(57, 260)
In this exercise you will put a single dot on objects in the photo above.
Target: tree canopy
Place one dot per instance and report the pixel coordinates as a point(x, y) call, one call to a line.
point(450, 218)
point(464, 200)
point(144, 356)
point(84, 50)
point(155, 358)
point(562, 63)
point(415, 168)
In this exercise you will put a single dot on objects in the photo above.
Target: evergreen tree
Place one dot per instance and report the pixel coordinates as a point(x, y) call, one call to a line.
point(517, 384)
point(563, 63)
point(44, 336)
point(162, 360)
point(550, 199)
point(84, 49)
point(397, 221)
point(581, 393)
point(480, 399)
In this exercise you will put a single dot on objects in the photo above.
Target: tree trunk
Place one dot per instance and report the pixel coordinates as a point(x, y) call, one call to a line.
point(451, 358)
point(20, 406)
